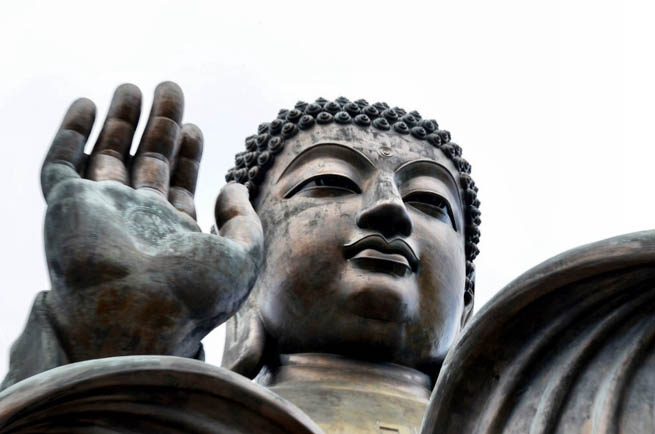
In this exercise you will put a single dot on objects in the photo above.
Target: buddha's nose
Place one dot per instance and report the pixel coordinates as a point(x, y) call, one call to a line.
point(384, 210)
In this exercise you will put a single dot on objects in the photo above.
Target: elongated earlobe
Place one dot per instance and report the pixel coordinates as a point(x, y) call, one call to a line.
point(245, 340)
point(469, 294)
point(468, 308)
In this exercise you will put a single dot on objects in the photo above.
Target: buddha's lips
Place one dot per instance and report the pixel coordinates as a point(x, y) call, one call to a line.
point(390, 250)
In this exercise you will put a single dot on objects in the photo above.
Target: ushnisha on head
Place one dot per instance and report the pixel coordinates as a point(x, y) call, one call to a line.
point(370, 222)
point(262, 148)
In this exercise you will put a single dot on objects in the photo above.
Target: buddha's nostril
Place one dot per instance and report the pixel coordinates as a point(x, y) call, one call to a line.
point(387, 217)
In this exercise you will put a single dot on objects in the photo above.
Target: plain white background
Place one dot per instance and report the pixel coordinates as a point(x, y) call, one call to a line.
point(553, 103)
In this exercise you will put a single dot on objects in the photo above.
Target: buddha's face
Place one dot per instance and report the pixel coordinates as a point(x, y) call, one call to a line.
point(364, 247)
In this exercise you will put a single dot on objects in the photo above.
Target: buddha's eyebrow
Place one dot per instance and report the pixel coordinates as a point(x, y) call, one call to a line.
point(431, 168)
point(329, 150)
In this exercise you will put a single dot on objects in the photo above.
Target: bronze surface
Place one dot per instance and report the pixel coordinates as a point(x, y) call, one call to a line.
point(343, 266)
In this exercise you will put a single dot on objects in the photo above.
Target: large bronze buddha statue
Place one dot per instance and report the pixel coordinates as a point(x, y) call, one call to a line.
point(343, 265)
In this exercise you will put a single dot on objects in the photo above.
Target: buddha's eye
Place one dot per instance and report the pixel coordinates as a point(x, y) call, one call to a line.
point(431, 204)
point(326, 185)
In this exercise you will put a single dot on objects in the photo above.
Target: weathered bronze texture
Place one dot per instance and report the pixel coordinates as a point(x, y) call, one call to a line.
point(131, 272)
point(147, 394)
point(343, 266)
point(345, 395)
point(568, 347)
point(381, 217)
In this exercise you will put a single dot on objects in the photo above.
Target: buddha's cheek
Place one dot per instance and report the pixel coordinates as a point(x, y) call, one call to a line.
point(299, 286)
point(441, 292)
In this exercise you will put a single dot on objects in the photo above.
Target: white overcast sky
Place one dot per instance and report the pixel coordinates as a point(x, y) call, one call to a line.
point(552, 101)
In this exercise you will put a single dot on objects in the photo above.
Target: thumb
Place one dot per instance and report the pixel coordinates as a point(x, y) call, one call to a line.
point(236, 219)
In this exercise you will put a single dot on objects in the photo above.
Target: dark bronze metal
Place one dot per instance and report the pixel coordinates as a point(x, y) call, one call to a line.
point(344, 268)
point(568, 347)
point(147, 394)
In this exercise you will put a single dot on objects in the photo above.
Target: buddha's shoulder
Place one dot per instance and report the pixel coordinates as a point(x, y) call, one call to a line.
point(146, 394)
point(569, 346)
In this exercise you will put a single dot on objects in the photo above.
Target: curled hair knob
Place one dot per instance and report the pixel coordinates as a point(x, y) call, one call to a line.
point(401, 127)
point(351, 108)
point(275, 145)
point(342, 100)
point(276, 126)
point(265, 159)
point(390, 115)
point(262, 139)
point(381, 106)
point(289, 130)
point(229, 176)
point(410, 120)
point(363, 120)
point(430, 125)
point(313, 109)
point(324, 118)
point(250, 158)
point(294, 115)
point(400, 111)
point(416, 114)
point(419, 132)
point(371, 112)
point(262, 128)
point(434, 139)
point(306, 122)
point(251, 144)
point(240, 175)
point(381, 124)
point(332, 107)
point(239, 161)
point(301, 106)
point(445, 136)
point(342, 118)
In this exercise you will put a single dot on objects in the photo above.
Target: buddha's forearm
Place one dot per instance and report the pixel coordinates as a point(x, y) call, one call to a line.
point(37, 349)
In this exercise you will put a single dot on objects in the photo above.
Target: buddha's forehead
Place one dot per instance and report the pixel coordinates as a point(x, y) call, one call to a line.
point(385, 149)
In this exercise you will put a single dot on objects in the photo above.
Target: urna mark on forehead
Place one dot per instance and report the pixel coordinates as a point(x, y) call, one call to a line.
point(262, 149)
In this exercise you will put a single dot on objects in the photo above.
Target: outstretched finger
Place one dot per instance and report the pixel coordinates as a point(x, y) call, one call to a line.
point(110, 152)
point(151, 168)
point(185, 171)
point(65, 155)
point(236, 219)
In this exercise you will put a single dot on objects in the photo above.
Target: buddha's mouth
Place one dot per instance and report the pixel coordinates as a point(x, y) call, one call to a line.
point(374, 252)
point(374, 260)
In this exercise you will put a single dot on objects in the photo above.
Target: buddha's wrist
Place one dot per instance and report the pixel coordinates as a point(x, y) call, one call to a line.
point(104, 321)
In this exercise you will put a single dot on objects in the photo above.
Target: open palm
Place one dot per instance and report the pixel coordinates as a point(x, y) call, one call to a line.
point(130, 269)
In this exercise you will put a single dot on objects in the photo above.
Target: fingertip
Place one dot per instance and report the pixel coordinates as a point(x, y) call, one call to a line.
point(84, 105)
point(80, 116)
point(192, 142)
point(168, 101)
point(126, 103)
point(129, 88)
point(233, 200)
point(168, 85)
point(234, 188)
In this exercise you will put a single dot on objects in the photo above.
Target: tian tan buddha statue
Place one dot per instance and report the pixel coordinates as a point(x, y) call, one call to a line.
point(343, 265)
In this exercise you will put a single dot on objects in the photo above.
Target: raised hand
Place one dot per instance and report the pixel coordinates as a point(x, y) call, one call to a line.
point(131, 272)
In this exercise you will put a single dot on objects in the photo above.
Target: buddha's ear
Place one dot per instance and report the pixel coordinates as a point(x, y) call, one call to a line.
point(245, 340)
point(467, 312)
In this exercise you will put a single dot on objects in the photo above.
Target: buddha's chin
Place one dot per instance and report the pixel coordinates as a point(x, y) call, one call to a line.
point(379, 297)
